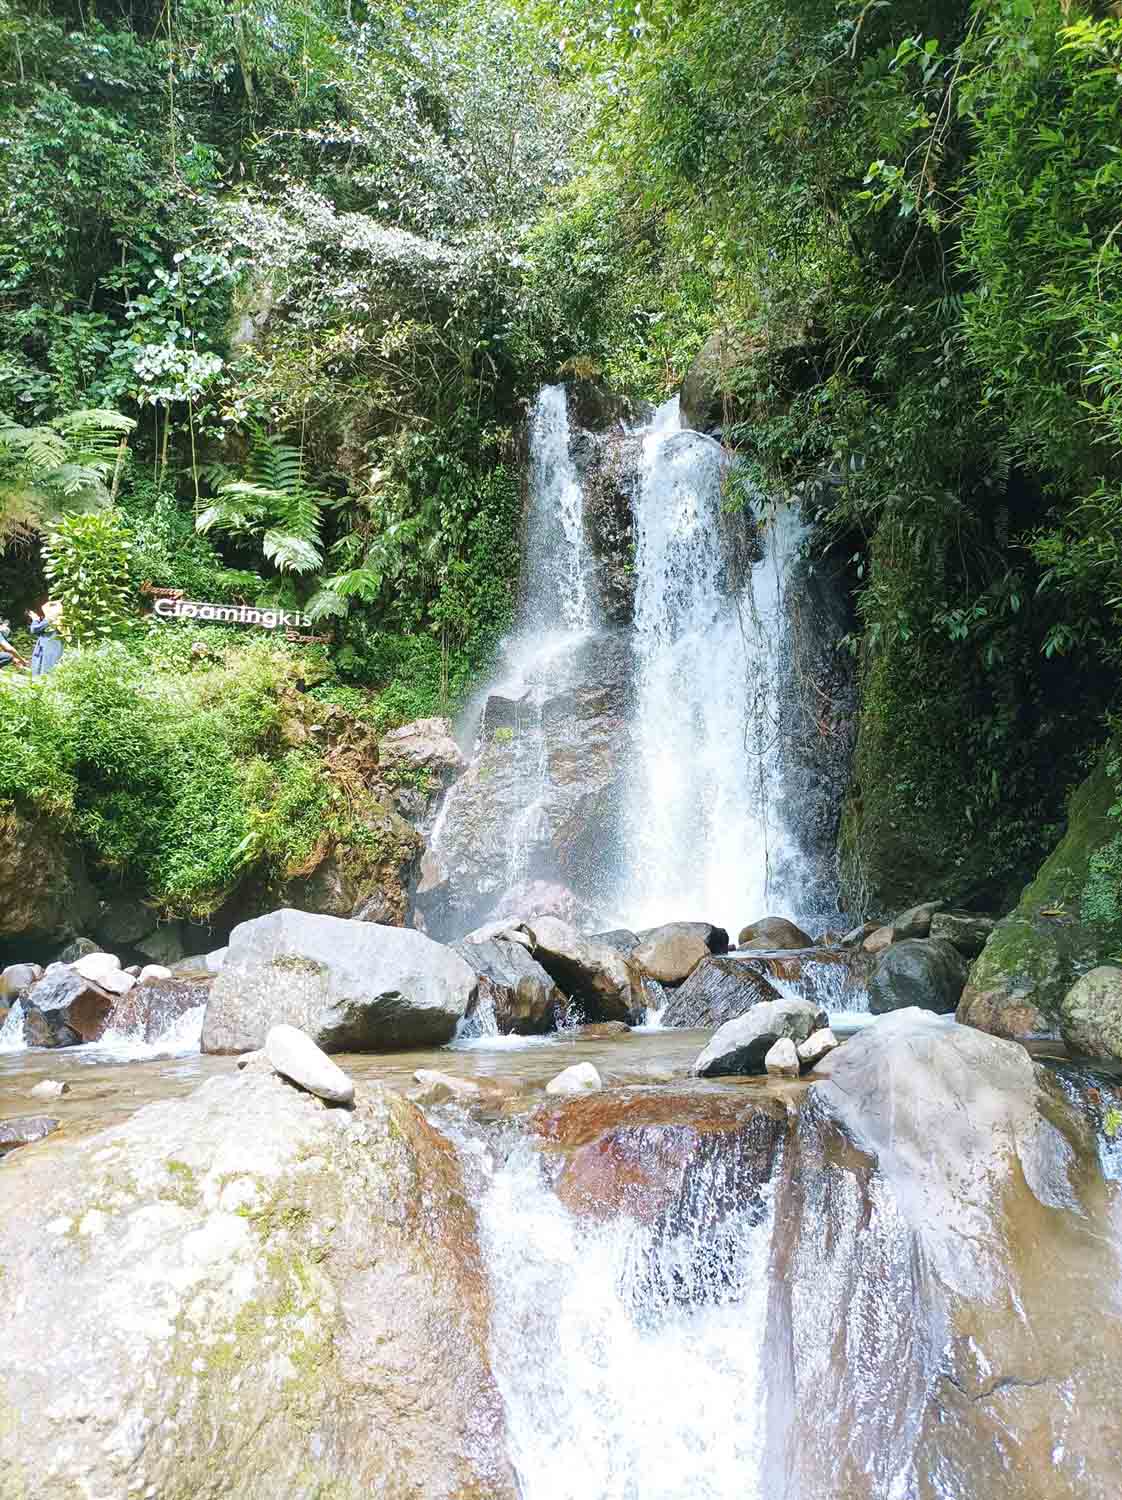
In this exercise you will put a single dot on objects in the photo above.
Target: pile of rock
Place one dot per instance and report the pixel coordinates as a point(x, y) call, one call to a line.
point(78, 999)
point(780, 1037)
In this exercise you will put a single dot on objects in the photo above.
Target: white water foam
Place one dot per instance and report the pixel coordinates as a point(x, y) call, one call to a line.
point(629, 1368)
point(11, 1033)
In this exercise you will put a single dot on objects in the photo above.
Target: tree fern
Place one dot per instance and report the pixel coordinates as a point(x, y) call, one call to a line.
point(60, 466)
point(275, 504)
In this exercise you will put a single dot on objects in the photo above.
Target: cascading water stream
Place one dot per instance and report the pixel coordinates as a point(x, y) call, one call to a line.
point(703, 833)
point(620, 1347)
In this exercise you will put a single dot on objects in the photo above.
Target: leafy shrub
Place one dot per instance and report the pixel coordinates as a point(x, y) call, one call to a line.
point(88, 560)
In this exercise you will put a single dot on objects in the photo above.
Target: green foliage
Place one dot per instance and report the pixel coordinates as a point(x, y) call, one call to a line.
point(275, 505)
point(88, 560)
point(57, 466)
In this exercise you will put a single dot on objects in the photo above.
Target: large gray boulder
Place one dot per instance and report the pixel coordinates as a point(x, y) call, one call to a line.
point(924, 972)
point(524, 999)
point(670, 954)
point(265, 1296)
point(940, 1191)
point(718, 990)
point(65, 1008)
point(1091, 1013)
point(352, 986)
point(598, 977)
point(741, 1046)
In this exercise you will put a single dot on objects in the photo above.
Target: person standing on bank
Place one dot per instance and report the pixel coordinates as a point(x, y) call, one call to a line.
point(48, 641)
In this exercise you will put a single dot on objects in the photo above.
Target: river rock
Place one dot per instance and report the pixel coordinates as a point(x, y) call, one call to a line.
point(915, 922)
point(672, 1159)
point(939, 1189)
point(426, 745)
point(782, 1060)
point(816, 1046)
point(77, 948)
point(152, 1008)
point(741, 1045)
point(967, 932)
point(97, 966)
point(64, 1008)
point(24, 1130)
point(17, 977)
point(1091, 1013)
point(506, 929)
point(164, 945)
point(50, 1088)
point(923, 972)
point(772, 933)
point(117, 981)
point(566, 752)
point(621, 938)
point(670, 954)
point(266, 1297)
point(581, 1078)
point(523, 997)
point(153, 971)
point(598, 978)
point(352, 986)
point(718, 990)
point(878, 940)
point(443, 1088)
point(599, 1031)
point(296, 1057)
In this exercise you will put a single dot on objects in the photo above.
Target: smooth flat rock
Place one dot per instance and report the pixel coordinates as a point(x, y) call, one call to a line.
point(741, 1045)
point(297, 1057)
point(351, 986)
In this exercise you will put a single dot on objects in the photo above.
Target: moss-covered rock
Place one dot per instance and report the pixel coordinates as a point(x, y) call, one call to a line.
point(45, 895)
point(1065, 923)
point(246, 1294)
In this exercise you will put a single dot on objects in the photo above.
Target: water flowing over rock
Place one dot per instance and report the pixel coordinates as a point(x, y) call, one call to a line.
point(64, 1008)
point(352, 986)
point(513, 987)
point(942, 1217)
point(634, 745)
point(153, 1007)
point(718, 990)
point(264, 1296)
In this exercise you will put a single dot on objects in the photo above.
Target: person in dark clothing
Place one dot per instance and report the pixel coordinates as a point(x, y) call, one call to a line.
point(48, 641)
point(8, 653)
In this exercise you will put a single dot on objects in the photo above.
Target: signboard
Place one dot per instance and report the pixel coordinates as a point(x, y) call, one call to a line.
point(230, 614)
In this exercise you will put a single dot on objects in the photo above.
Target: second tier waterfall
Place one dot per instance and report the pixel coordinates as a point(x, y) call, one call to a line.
point(646, 751)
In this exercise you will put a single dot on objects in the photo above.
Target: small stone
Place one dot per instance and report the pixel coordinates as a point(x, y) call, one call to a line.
point(153, 971)
point(581, 1078)
point(50, 1088)
point(293, 1053)
point(915, 922)
point(96, 966)
point(441, 1088)
point(133, 969)
point(880, 939)
point(255, 1061)
point(782, 1060)
point(816, 1046)
point(18, 977)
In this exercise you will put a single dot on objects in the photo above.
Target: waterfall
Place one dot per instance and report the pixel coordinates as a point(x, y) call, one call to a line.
point(704, 833)
point(633, 751)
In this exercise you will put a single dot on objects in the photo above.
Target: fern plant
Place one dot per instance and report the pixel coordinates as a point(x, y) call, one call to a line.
point(275, 504)
point(60, 466)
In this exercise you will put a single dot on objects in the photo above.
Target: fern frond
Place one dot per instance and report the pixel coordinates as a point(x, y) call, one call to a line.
point(325, 604)
point(357, 583)
point(291, 554)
